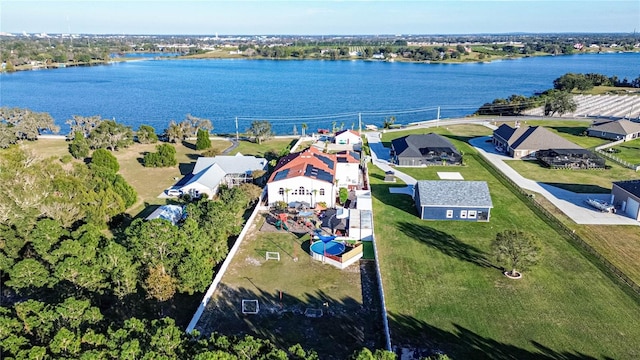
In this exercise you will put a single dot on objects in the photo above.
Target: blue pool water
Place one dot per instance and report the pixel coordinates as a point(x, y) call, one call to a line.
point(332, 247)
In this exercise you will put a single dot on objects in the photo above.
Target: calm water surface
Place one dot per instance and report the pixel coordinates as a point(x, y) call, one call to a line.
point(289, 93)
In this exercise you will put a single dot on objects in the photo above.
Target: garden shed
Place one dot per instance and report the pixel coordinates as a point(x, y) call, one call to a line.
point(453, 200)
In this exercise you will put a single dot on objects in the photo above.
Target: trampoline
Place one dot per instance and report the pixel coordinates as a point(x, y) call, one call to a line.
point(332, 247)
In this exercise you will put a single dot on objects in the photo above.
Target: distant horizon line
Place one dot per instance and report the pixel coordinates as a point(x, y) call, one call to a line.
point(22, 33)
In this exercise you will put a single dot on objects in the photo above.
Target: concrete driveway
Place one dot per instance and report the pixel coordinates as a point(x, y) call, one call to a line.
point(570, 203)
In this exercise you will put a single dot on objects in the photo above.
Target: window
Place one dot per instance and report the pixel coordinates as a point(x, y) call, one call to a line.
point(301, 191)
point(463, 214)
point(471, 214)
point(449, 214)
point(321, 192)
point(281, 191)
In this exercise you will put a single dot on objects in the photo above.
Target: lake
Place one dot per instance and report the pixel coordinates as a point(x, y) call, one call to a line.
point(289, 93)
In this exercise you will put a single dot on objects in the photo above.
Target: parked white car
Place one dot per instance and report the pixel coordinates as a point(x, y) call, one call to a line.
point(174, 192)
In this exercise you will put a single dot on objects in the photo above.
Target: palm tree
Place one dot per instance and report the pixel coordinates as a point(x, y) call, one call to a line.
point(286, 193)
point(304, 129)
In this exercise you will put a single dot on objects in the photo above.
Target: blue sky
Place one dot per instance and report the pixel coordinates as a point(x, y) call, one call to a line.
point(318, 17)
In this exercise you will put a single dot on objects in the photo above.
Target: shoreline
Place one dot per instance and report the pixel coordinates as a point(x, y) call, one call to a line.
point(118, 60)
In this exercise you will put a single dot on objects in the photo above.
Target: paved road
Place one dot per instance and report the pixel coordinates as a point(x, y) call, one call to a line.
point(570, 203)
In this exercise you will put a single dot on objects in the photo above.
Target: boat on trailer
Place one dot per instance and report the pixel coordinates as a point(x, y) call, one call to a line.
point(601, 205)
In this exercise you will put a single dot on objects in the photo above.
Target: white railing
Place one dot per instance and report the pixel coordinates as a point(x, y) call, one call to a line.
point(225, 265)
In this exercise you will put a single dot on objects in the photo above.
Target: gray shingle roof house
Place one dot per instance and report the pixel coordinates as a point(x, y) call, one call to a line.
point(424, 150)
point(626, 196)
point(523, 141)
point(453, 200)
point(209, 172)
point(615, 130)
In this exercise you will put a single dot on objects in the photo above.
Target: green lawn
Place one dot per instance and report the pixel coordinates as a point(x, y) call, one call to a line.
point(593, 180)
point(351, 318)
point(629, 151)
point(618, 244)
point(275, 145)
point(443, 291)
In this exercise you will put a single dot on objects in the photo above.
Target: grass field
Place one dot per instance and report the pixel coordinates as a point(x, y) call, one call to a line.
point(593, 180)
point(619, 244)
point(274, 145)
point(629, 151)
point(444, 291)
point(351, 317)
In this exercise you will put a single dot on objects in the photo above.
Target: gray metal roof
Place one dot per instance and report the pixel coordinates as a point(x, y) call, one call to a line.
point(454, 193)
point(231, 164)
point(632, 186)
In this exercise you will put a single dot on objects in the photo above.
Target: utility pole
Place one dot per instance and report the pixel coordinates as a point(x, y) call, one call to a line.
point(237, 134)
point(359, 122)
point(438, 117)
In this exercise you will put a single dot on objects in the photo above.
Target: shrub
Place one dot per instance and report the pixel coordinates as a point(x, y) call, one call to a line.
point(344, 195)
point(164, 157)
point(66, 159)
point(211, 152)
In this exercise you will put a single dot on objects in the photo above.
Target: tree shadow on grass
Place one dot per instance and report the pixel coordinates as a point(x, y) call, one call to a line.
point(399, 201)
point(446, 243)
point(462, 343)
point(571, 130)
point(188, 145)
point(344, 326)
point(186, 168)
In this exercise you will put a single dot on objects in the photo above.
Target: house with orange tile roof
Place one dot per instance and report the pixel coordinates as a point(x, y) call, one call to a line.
point(308, 176)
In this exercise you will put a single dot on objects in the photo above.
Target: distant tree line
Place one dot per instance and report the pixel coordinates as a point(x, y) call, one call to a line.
point(557, 100)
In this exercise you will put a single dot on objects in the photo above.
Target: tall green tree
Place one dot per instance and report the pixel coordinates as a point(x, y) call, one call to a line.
point(203, 142)
point(516, 249)
point(83, 124)
point(174, 132)
point(103, 158)
point(23, 124)
point(260, 130)
point(110, 135)
point(559, 102)
point(79, 146)
point(146, 134)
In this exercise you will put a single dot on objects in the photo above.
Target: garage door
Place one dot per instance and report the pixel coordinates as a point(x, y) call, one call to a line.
point(632, 208)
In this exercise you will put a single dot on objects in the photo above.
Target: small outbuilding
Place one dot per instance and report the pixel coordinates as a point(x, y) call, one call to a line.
point(347, 137)
point(453, 200)
point(626, 196)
